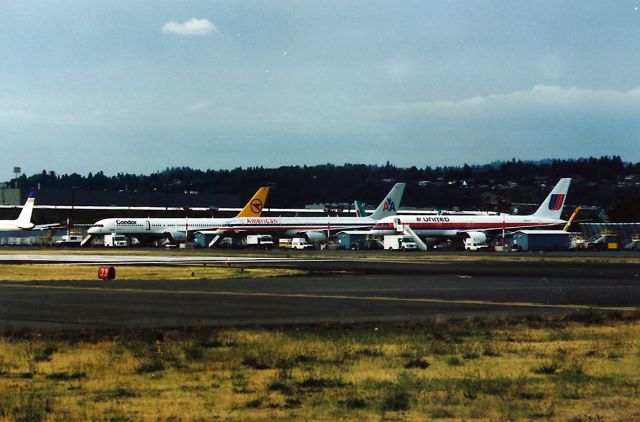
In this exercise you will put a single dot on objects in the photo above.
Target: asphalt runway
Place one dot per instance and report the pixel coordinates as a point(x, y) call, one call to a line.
point(370, 293)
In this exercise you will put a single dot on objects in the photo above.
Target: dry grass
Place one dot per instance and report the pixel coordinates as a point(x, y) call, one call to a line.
point(509, 370)
point(47, 272)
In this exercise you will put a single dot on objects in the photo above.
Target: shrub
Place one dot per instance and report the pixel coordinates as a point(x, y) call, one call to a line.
point(355, 403)
point(193, 351)
point(420, 363)
point(454, 361)
point(43, 353)
point(153, 364)
point(254, 404)
point(313, 383)
point(546, 369)
point(255, 363)
point(397, 400)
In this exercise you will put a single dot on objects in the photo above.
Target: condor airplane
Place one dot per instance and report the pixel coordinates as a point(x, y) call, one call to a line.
point(173, 229)
point(477, 226)
point(314, 229)
point(23, 222)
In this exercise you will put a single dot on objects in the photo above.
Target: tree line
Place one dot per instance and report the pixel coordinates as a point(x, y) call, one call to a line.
point(606, 182)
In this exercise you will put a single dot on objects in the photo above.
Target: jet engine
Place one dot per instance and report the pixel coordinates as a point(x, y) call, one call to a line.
point(177, 236)
point(479, 238)
point(316, 237)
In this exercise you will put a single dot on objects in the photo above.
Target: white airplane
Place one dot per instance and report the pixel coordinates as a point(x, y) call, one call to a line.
point(477, 226)
point(173, 229)
point(23, 222)
point(314, 229)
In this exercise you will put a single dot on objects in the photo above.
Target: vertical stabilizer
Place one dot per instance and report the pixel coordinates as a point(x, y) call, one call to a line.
point(24, 219)
point(391, 203)
point(360, 212)
point(255, 204)
point(552, 205)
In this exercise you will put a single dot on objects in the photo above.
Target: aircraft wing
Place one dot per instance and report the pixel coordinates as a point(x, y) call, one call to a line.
point(49, 226)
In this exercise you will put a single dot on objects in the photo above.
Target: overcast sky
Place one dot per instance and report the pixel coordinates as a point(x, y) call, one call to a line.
point(138, 86)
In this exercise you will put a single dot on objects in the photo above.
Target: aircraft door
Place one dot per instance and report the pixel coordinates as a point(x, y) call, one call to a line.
point(147, 225)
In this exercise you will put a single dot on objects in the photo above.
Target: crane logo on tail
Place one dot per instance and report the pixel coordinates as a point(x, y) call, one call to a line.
point(556, 201)
point(256, 205)
point(389, 205)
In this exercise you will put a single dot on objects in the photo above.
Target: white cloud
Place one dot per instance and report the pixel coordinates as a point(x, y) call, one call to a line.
point(540, 97)
point(192, 28)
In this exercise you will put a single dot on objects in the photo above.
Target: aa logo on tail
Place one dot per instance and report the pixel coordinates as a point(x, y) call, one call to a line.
point(389, 205)
point(556, 201)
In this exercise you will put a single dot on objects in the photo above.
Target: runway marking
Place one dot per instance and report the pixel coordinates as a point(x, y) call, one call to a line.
point(340, 297)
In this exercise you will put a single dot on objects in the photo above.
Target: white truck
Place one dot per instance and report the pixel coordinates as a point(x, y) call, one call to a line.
point(69, 240)
point(472, 244)
point(399, 242)
point(301, 243)
point(259, 241)
point(114, 240)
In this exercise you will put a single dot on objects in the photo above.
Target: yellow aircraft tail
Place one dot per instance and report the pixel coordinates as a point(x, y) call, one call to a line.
point(255, 204)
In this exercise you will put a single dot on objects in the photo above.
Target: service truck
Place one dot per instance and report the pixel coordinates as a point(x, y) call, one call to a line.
point(69, 240)
point(472, 244)
point(113, 240)
point(301, 243)
point(399, 242)
point(259, 241)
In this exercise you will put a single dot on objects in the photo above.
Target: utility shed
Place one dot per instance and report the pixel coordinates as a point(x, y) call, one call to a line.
point(542, 240)
point(202, 238)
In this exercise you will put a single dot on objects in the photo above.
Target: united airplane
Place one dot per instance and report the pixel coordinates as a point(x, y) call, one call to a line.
point(23, 222)
point(477, 226)
point(314, 229)
point(173, 229)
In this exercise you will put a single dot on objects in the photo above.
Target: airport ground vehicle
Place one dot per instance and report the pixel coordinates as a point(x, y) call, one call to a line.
point(114, 240)
point(284, 243)
point(399, 242)
point(69, 240)
point(474, 244)
point(259, 241)
point(357, 239)
point(301, 243)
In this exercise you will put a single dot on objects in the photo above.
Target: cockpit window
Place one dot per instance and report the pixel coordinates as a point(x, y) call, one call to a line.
point(98, 225)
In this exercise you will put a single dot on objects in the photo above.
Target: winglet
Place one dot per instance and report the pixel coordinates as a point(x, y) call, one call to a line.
point(255, 204)
point(391, 202)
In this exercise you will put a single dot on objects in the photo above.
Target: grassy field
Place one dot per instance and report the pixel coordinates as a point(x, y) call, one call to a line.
point(46, 272)
point(501, 369)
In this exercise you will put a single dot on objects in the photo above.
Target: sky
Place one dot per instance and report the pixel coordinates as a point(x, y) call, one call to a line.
point(139, 86)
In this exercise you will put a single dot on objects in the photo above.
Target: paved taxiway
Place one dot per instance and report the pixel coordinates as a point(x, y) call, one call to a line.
point(372, 295)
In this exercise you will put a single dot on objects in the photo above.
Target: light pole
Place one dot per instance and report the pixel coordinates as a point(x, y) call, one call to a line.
point(186, 225)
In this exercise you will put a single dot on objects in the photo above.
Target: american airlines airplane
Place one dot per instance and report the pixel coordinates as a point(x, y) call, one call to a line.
point(314, 229)
point(173, 229)
point(23, 222)
point(477, 226)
